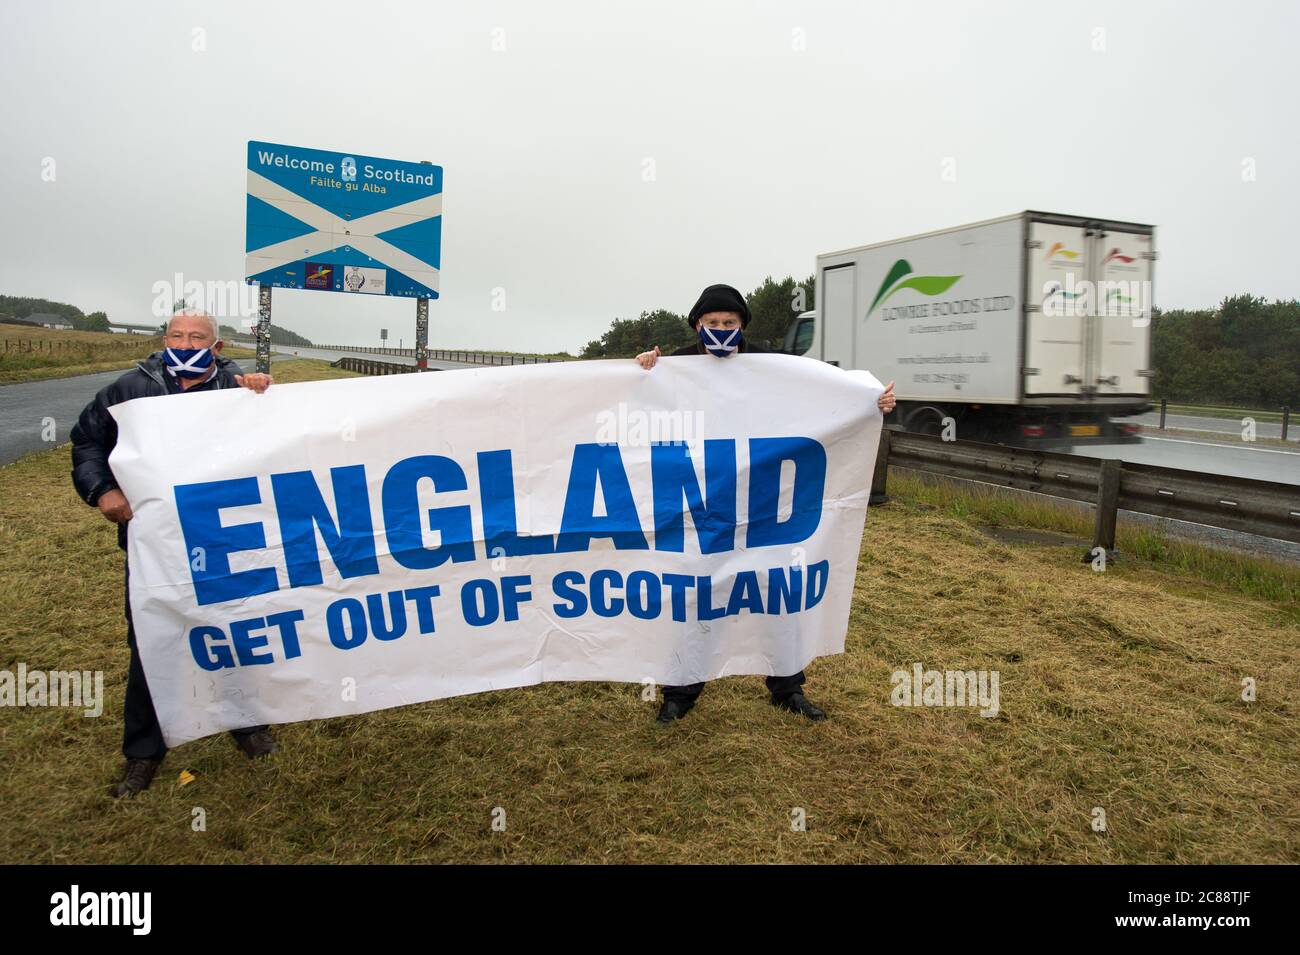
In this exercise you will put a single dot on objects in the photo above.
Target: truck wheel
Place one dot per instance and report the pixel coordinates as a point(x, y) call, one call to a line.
point(926, 419)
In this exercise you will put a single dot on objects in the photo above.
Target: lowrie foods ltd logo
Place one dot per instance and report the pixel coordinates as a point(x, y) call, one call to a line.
point(896, 281)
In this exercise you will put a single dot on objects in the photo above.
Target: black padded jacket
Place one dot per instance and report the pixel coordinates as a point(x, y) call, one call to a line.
point(95, 434)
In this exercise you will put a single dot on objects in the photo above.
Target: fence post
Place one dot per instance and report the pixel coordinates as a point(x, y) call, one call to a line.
point(881, 475)
point(1162, 414)
point(1286, 420)
point(1103, 534)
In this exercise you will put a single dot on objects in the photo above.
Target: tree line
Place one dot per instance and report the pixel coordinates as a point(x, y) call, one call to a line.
point(1245, 353)
point(23, 307)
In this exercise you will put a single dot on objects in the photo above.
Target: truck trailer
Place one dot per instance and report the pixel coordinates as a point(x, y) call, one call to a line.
point(1033, 329)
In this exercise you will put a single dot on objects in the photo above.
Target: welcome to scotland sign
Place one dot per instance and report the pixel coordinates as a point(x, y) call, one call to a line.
point(344, 546)
point(342, 222)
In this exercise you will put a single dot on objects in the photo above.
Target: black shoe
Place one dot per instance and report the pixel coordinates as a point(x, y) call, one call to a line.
point(138, 776)
point(672, 710)
point(256, 744)
point(798, 703)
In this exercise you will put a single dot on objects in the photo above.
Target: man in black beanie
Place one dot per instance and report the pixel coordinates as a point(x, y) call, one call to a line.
point(719, 319)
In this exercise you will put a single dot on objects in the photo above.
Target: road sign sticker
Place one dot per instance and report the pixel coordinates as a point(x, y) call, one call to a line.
point(369, 281)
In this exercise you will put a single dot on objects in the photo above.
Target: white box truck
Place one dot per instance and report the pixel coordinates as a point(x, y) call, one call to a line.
point(1033, 329)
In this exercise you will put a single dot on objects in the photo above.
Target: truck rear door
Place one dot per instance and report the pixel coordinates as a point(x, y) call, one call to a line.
point(836, 305)
point(1122, 332)
point(1057, 304)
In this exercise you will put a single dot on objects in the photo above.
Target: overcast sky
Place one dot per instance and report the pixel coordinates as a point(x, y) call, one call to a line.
point(614, 158)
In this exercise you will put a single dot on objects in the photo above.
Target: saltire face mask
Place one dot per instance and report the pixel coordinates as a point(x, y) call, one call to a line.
point(187, 362)
point(721, 342)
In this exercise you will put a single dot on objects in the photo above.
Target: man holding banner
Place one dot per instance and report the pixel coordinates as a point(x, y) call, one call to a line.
point(189, 363)
point(719, 318)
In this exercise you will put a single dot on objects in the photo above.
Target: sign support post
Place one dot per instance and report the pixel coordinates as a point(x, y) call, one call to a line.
point(422, 334)
point(263, 328)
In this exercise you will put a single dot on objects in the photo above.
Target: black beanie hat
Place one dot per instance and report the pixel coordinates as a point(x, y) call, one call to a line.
point(720, 298)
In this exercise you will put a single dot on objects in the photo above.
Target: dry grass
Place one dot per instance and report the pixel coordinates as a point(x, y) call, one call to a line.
point(306, 369)
point(1119, 690)
point(1215, 411)
point(66, 354)
point(32, 333)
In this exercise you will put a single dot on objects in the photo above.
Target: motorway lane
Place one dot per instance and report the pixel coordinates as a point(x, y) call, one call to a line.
point(1260, 463)
point(27, 408)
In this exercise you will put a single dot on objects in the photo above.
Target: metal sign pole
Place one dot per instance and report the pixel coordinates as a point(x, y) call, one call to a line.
point(422, 334)
point(263, 329)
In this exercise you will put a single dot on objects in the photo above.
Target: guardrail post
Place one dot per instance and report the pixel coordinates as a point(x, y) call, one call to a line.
point(881, 474)
point(1103, 534)
point(1286, 420)
point(1162, 414)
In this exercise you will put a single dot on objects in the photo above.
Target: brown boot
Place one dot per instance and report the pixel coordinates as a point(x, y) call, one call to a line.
point(256, 744)
point(138, 776)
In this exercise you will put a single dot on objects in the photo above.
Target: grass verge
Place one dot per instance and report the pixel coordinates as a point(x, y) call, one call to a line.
point(1211, 411)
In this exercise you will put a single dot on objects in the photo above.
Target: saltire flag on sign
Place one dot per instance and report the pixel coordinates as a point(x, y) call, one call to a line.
point(342, 222)
point(331, 548)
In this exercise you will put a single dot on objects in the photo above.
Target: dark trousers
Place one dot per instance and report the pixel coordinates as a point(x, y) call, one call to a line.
point(141, 735)
point(779, 686)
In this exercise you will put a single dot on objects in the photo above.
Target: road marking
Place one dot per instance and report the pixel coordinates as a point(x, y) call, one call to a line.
point(1231, 447)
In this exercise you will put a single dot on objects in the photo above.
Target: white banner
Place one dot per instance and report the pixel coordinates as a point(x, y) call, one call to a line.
point(338, 547)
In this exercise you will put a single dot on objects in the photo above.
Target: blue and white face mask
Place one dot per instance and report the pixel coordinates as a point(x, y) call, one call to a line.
point(721, 342)
point(187, 362)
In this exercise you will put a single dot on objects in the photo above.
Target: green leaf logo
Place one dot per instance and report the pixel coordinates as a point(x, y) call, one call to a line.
point(925, 284)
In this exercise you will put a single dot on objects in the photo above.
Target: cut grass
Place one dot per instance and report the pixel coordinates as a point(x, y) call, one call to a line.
point(1275, 581)
point(1213, 411)
point(1119, 690)
point(60, 354)
point(288, 371)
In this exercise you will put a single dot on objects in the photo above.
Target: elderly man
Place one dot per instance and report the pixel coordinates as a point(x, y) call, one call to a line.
point(190, 361)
